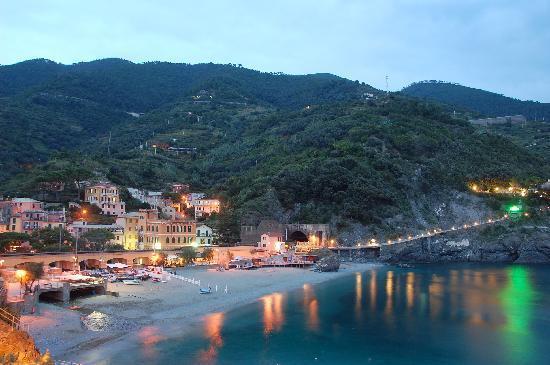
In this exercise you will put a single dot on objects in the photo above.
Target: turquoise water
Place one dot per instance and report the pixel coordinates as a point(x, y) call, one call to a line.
point(426, 315)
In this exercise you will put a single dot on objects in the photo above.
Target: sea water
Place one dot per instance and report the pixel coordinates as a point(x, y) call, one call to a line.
point(431, 314)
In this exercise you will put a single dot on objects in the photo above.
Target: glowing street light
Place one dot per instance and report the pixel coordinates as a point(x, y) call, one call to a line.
point(20, 274)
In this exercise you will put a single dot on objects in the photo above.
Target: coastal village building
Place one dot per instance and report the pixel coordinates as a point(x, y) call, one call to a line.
point(205, 207)
point(80, 227)
point(204, 235)
point(20, 205)
point(161, 234)
point(24, 215)
point(153, 198)
point(31, 220)
point(514, 119)
point(180, 188)
point(271, 242)
point(130, 223)
point(105, 196)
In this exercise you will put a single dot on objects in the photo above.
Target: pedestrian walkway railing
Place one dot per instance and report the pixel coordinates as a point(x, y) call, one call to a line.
point(13, 320)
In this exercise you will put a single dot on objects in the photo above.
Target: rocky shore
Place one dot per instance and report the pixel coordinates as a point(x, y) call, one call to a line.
point(497, 244)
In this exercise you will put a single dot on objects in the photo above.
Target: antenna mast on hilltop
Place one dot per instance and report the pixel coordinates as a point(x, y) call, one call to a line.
point(387, 89)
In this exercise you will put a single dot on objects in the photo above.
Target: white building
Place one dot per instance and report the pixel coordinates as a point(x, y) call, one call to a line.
point(204, 235)
point(153, 198)
point(80, 227)
point(205, 207)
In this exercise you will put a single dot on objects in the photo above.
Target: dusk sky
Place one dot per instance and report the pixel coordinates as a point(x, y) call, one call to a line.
point(497, 45)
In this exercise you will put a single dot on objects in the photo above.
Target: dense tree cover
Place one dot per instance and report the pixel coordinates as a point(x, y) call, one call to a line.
point(51, 239)
point(294, 148)
point(51, 107)
point(9, 239)
point(98, 239)
point(187, 254)
point(484, 102)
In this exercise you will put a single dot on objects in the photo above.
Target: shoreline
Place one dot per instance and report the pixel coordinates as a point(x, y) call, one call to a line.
point(152, 312)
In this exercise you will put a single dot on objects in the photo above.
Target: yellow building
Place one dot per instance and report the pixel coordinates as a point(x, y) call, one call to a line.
point(130, 224)
point(162, 234)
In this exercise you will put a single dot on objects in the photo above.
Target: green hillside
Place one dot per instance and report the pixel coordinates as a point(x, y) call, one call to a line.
point(483, 102)
point(296, 148)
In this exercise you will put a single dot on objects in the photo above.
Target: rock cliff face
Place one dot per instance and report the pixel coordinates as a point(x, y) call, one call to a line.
point(17, 347)
point(494, 244)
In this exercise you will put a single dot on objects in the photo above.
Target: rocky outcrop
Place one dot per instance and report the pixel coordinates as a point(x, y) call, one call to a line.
point(17, 347)
point(328, 263)
point(489, 244)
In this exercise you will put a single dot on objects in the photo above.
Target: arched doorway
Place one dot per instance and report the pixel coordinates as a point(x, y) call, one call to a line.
point(90, 264)
point(298, 236)
point(63, 265)
point(117, 259)
point(141, 261)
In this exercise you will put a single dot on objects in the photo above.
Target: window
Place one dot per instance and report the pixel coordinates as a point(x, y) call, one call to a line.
point(167, 240)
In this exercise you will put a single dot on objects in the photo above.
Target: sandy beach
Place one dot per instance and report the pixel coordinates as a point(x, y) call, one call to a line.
point(150, 312)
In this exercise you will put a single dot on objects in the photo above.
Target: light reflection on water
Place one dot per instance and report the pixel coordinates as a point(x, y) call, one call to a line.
point(213, 324)
point(427, 315)
point(273, 312)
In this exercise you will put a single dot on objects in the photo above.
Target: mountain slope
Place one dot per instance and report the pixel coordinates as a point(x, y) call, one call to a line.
point(295, 148)
point(142, 87)
point(47, 107)
point(483, 102)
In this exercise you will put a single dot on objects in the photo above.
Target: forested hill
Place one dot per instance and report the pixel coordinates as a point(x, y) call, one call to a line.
point(47, 107)
point(141, 87)
point(312, 148)
point(483, 102)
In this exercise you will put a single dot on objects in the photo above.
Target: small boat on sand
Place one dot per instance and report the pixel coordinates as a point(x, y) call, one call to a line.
point(131, 282)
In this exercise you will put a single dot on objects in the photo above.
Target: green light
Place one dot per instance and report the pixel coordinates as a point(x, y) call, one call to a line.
point(514, 208)
point(518, 303)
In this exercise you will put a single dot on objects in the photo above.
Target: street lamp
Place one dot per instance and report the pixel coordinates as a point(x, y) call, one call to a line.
point(20, 274)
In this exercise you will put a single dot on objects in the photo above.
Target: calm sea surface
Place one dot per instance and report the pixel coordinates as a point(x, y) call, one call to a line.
point(460, 314)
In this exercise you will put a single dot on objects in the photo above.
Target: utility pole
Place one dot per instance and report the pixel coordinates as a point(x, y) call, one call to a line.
point(109, 145)
point(61, 230)
point(77, 264)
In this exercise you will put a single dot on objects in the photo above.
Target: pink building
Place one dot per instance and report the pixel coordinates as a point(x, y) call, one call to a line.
point(271, 242)
point(20, 205)
point(30, 220)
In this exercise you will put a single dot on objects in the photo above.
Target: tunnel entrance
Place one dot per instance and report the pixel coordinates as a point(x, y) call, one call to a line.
point(298, 236)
